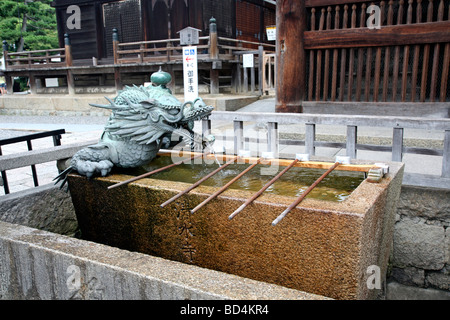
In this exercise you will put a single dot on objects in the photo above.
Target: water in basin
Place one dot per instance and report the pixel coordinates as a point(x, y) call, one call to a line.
point(337, 186)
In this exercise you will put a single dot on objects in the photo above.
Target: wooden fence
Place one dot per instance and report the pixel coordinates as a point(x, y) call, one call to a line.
point(170, 50)
point(210, 48)
point(351, 123)
point(400, 55)
point(363, 51)
point(36, 59)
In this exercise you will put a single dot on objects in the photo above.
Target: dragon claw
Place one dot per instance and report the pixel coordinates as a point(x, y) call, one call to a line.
point(91, 168)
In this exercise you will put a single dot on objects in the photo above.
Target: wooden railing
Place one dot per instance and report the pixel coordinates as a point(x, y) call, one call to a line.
point(155, 51)
point(59, 57)
point(351, 145)
point(212, 49)
point(169, 50)
point(404, 58)
point(36, 59)
point(269, 74)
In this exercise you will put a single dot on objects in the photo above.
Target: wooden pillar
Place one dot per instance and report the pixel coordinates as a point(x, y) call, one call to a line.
point(68, 49)
point(171, 85)
point(213, 55)
point(117, 77)
point(9, 84)
point(32, 81)
point(115, 40)
point(70, 82)
point(291, 63)
point(260, 69)
point(69, 62)
point(213, 46)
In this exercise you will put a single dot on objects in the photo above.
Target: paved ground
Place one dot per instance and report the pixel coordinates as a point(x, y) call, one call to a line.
point(78, 129)
point(88, 128)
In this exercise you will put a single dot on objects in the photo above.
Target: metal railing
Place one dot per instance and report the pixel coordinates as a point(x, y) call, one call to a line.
point(56, 134)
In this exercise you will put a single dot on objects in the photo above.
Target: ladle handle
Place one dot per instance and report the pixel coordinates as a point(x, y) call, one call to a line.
point(195, 185)
point(142, 176)
point(257, 194)
point(303, 195)
point(225, 186)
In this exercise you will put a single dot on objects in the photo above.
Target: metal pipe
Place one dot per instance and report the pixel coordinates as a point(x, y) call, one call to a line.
point(195, 185)
point(225, 186)
point(154, 171)
point(304, 194)
point(257, 194)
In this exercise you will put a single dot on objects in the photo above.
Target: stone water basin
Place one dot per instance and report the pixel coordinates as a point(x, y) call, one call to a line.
point(324, 247)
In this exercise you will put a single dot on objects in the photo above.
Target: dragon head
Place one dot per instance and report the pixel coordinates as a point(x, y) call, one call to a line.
point(193, 111)
point(147, 114)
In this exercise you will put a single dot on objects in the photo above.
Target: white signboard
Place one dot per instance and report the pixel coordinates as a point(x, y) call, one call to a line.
point(271, 33)
point(248, 60)
point(189, 36)
point(51, 82)
point(190, 73)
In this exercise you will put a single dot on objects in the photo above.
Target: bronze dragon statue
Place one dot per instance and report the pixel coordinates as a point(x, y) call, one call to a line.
point(142, 121)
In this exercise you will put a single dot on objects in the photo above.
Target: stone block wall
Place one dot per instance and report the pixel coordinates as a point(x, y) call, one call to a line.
point(421, 249)
point(45, 208)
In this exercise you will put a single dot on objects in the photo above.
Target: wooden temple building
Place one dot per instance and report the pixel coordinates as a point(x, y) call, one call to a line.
point(329, 55)
point(122, 42)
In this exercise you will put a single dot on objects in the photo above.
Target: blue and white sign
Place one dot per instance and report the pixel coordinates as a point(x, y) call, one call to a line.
point(190, 73)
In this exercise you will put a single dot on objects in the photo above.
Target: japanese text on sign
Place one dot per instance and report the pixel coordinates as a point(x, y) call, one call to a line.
point(190, 73)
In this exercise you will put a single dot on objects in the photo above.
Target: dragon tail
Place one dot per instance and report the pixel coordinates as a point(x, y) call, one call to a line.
point(63, 177)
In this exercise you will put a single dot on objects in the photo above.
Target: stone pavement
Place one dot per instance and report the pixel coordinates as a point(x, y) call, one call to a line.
point(78, 129)
point(88, 128)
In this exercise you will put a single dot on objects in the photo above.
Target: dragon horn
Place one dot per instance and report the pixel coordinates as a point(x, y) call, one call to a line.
point(111, 106)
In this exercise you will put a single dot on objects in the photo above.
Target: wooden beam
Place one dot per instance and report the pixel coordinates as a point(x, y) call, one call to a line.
point(446, 158)
point(336, 119)
point(397, 144)
point(238, 128)
point(291, 59)
point(322, 3)
point(419, 33)
point(70, 82)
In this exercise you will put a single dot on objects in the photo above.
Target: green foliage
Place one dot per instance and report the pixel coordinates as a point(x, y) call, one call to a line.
point(32, 20)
